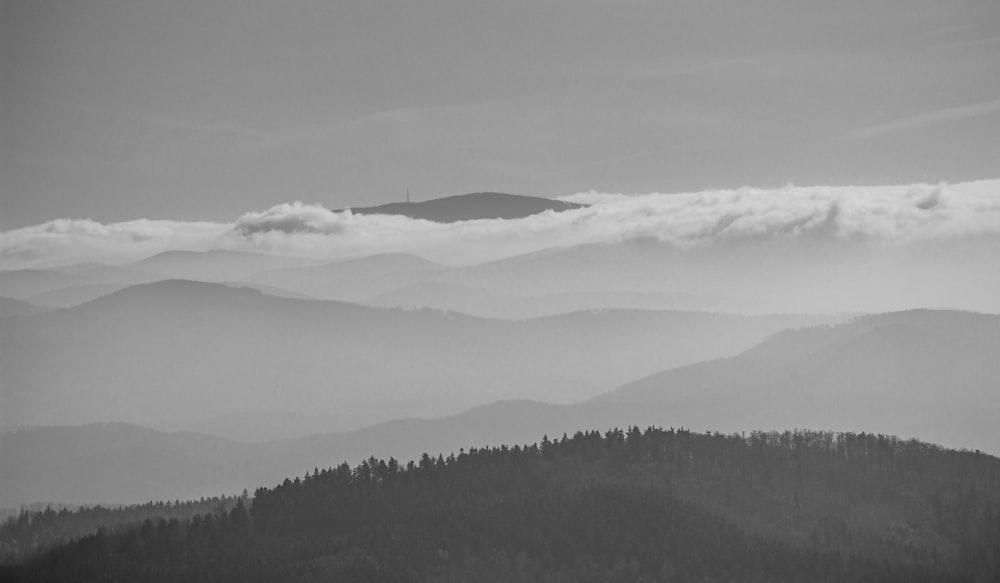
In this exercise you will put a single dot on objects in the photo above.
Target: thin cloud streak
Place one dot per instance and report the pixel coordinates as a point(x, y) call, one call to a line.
point(941, 116)
point(163, 123)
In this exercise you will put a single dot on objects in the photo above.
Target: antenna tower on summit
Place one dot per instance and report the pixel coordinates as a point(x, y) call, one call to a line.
point(407, 194)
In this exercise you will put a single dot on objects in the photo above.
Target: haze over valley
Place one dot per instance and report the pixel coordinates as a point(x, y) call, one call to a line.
point(393, 354)
point(500, 291)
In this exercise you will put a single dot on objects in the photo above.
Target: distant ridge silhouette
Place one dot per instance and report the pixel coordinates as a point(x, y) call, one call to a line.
point(466, 207)
point(930, 373)
point(214, 265)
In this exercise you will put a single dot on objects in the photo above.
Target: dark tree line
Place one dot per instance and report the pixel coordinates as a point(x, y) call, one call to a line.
point(652, 505)
point(30, 531)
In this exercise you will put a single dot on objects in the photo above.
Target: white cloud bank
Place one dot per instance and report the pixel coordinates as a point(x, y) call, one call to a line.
point(885, 215)
point(67, 240)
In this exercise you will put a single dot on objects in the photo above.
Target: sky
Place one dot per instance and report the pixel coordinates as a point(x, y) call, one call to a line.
point(187, 111)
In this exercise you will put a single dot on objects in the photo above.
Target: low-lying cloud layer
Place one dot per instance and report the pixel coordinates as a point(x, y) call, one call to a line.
point(885, 215)
point(66, 240)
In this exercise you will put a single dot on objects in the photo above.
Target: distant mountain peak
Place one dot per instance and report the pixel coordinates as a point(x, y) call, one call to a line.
point(471, 206)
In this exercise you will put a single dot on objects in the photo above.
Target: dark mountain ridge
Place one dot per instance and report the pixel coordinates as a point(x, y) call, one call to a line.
point(473, 206)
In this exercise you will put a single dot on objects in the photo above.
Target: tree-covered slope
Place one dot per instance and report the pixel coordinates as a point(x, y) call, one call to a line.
point(623, 506)
point(33, 530)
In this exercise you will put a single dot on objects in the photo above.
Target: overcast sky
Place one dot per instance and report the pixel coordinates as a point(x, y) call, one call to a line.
point(127, 109)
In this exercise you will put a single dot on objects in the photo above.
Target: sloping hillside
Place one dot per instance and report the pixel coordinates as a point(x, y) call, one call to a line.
point(12, 307)
point(216, 265)
point(934, 374)
point(171, 352)
point(351, 279)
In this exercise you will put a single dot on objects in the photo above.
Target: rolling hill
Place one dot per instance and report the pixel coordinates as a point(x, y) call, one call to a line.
point(478, 301)
point(934, 374)
point(875, 374)
point(216, 265)
point(168, 353)
point(623, 505)
point(350, 279)
point(625, 275)
point(23, 283)
point(74, 295)
point(12, 307)
point(125, 463)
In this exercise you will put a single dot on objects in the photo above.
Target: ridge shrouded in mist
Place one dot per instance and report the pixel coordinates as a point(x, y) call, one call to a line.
point(238, 271)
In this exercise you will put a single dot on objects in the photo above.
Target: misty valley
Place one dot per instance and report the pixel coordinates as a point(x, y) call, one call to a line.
point(607, 411)
point(499, 291)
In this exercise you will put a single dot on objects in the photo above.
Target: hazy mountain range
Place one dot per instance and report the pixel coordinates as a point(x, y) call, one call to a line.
point(172, 352)
point(12, 307)
point(745, 310)
point(929, 373)
point(784, 271)
point(875, 373)
point(764, 277)
point(237, 368)
point(215, 265)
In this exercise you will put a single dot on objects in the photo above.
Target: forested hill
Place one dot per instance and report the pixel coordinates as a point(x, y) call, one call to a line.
point(30, 531)
point(623, 506)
